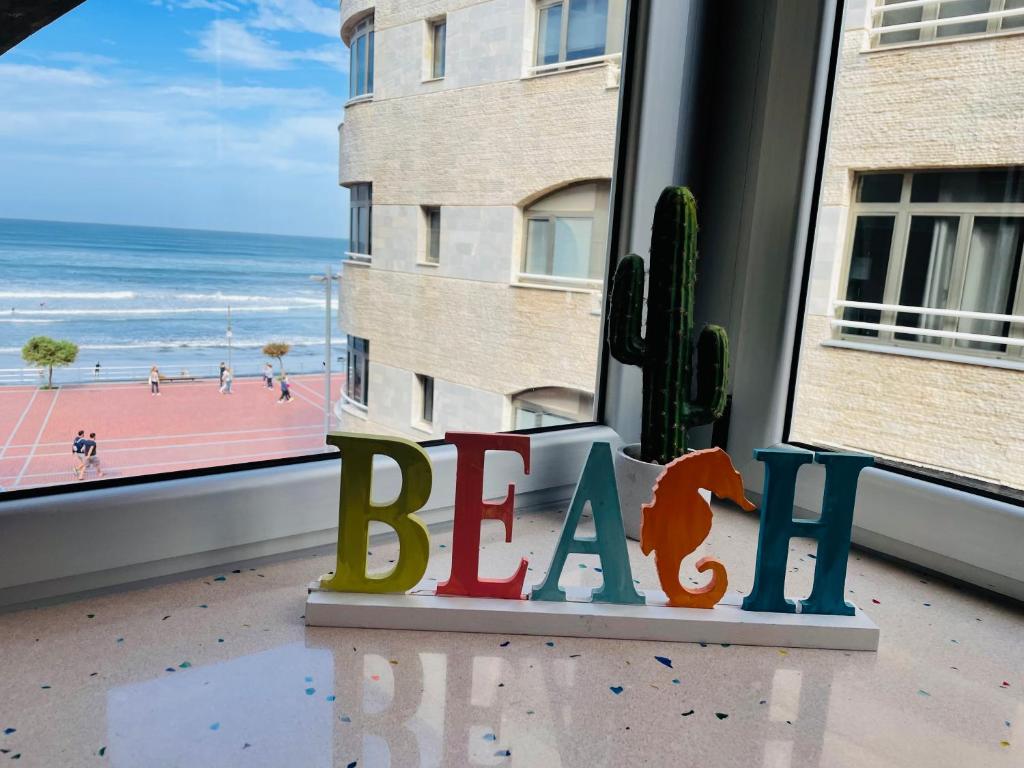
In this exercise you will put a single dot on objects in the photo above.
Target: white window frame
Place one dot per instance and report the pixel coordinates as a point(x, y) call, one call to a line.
point(927, 27)
point(428, 257)
point(355, 204)
point(535, 67)
point(432, 72)
point(364, 29)
point(424, 392)
point(902, 211)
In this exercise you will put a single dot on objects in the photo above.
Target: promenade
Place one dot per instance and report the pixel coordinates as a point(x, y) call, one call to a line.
point(190, 425)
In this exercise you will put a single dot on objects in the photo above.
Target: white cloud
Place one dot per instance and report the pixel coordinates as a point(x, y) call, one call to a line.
point(37, 75)
point(298, 16)
point(226, 41)
point(206, 5)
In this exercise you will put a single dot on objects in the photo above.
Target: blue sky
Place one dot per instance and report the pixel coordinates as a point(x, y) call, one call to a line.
point(212, 114)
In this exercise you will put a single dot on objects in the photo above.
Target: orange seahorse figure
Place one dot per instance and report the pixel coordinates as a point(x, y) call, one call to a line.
point(678, 519)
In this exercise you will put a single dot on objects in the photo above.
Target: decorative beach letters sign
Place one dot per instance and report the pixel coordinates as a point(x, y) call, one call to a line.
point(674, 524)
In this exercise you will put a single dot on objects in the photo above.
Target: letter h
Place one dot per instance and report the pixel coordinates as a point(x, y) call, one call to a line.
point(832, 530)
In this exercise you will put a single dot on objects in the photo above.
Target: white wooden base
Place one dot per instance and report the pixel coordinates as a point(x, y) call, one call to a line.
point(421, 609)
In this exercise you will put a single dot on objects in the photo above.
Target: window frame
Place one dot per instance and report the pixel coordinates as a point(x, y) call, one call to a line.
point(363, 29)
point(356, 203)
point(429, 256)
point(424, 401)
point(928, 32)
point(903, 211)
point(357, 353)
point(433, 25)
point(563, 62)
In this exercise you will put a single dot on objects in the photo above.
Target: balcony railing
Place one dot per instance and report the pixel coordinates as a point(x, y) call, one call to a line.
point(880, 327)
point(921, 21)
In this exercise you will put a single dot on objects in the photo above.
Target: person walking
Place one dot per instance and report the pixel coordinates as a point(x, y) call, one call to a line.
point(154, 381)
point(91, 458)
point(78, 451)
point(223, 368)
point(268, 375)
point(286, 390)
point(225, 382)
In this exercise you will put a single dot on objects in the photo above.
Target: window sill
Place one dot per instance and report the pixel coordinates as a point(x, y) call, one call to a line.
point(562, 67)
point(554, 286)
point(943, 41)
point(353, 407)
point(359, 99)
point(424, 427)
point(925, 354)
point(433, 264)
point(432, 79)
point(357, 259)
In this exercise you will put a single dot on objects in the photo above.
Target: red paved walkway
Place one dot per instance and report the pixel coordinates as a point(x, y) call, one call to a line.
point(189, 425)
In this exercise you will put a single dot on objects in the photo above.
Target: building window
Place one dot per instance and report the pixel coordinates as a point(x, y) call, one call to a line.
point(949, 241)
point(357, 370)
point(425, 397)
point(570, 30)
point(937, 20)
point(360, 220)
point(438, 33)
point(360, 51)
point(432, 223)
point(566, 236)
point(551, 407)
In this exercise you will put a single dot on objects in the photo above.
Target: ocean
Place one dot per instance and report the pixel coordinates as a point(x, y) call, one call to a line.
point(132, 297)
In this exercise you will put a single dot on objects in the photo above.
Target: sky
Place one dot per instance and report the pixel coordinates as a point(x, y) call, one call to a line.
point(205, 114)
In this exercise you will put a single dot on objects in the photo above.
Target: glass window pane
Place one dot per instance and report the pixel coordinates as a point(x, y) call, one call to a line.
point(360, 66)
point(900, 16)
point(364, 229)
point(954, 8)
point(988, 186)
point(993, 263)
point(538, 238)
point(572, 247)
point(434, 246)
point(549, 35)
point(881, 187)
point(926, 273)
point(869, 262)
point(588, 23)
point(440, 31)
point(369, 63)
point(1013, 22)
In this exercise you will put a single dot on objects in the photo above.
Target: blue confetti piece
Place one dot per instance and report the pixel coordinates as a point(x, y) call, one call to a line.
point(185, 664)
point(345, 719)
point(616, 689)
point(598, 570)
point(550, 643)
point(214, 726)
point(721, 715)
point(582, 565)
point(220, 639)
point(922, 692)
point(309, 679)
point(503, 753)
point(813, 557)
point(9, 731)
point(46, 687)
point(675, 681)
point(103, 751)
point(332, 697)
point(664, 660)
point(310, 691)
point(120, 639)
point(352, 764)
point(204, 605)
point(703, 645)
point(927, 605)
point(170, 669)
point(505, 644)
point(490, 737)
point(221, 578)
point(443, 546)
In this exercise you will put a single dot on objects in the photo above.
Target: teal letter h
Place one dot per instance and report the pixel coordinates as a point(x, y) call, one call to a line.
point(832, 530)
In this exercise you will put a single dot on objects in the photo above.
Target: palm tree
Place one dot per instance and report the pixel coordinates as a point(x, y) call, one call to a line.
point(277, 350)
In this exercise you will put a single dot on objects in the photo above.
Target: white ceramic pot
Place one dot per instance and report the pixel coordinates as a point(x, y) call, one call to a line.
point(635, 479)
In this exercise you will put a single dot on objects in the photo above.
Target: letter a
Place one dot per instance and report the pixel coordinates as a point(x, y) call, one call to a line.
point(832, 530)
point(596, 485)
point(356, 511)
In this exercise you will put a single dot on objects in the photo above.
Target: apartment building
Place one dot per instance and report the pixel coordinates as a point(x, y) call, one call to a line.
point(913, 339)
point(477, 148)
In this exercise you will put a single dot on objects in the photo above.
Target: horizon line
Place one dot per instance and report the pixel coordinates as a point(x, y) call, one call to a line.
point(177, 229)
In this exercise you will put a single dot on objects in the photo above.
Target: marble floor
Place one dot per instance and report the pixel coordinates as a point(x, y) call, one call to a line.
point(221, 671)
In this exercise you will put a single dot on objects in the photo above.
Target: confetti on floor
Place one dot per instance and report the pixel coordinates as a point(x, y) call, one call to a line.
point(221, 578)
point(664, 660)
point(214, 726)
point(504, 644)
point(490, 737)
point(503, 753)
point(616, 689)
point(102, 752)
point(721, 715)
point(675, 681)
point(550, 643)
point(310, 691)
point(687, 714)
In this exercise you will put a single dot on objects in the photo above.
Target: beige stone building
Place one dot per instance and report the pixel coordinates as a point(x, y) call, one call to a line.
point(477, 148)
point(922, 208)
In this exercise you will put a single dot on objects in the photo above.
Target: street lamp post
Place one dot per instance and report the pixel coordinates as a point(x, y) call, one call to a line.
point(229, 337)
point(327, 279)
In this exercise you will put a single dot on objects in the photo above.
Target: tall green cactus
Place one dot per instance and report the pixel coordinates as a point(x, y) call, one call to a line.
point(666, 351)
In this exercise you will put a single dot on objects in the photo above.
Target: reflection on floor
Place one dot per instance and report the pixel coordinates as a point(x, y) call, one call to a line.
point(221, 671)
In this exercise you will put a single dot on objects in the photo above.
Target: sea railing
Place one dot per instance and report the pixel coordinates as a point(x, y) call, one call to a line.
point(139, 373)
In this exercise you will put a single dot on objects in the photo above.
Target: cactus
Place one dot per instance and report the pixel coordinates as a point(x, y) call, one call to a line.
point(672, 404)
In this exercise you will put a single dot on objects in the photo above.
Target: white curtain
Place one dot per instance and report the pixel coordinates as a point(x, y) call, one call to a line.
point(940, 266)
point(991, 270)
